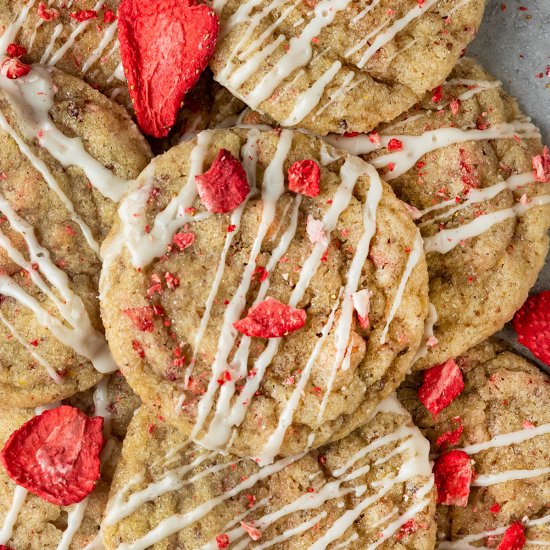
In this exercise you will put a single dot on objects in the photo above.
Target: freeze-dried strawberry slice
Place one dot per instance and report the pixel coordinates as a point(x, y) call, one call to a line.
point(55, 455)
point(142, 317)
point(165, 45)
point(224, 186)
point(441, 385)
point(304, 177)
point(532, 325)
point(13, 68)
point(541, 166)
point(514, 538)
point(271, 319)
point(453, 474)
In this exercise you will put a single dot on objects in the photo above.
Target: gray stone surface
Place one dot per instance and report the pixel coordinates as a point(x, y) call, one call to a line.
point(514, 46)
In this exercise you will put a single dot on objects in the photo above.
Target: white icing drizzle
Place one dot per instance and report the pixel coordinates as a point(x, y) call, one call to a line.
point(447, 239)
point(415, 464)
point(364, 12)
point(106, 39)
point(345, 88)
point(32, 98)
point(415, 147)
point(58, 29)
point(19, 496)
point(486, 480)
point(388, 35)
point(476, 196)
point(45, 172)
point(81, 337)
point(353, 279)
point(510, 438)
point(464, 542)
point(142, 246)
point(414, 257)
point(60, 53)
point(74, 521)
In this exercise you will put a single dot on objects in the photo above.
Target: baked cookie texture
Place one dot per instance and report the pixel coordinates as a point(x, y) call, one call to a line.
point(504, 412)
point(463, 159)
point(40, 525)
point(55, 213)
point(86, 49)
point(342, 66)
point(372, 489)
point(279, 395)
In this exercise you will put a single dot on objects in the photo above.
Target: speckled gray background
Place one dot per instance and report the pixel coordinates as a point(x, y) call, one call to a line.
point(514, 45)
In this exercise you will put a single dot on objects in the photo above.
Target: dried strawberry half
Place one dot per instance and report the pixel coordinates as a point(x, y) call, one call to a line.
point(514, 538)
point(453, 474)
point(442, 384)
point(224, 186)
point(55, 455)
point(532, 325)
point(271, 319)
point(304, 177)
point(165, 45)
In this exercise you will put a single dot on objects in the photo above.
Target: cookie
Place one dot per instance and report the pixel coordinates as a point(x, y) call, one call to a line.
point(464, 160)
point(372, 489)
point(67, 153)
point(30, 522)
point(504, 427)
point(339, 66)
point(205, 312)
point(79, 39)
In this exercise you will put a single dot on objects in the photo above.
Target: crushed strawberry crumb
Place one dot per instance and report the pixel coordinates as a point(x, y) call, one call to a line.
point(304, 177)
point(83, 15)
point(541, 166)
point(15, 50)
point(253, 533)
point(47, 14)
point(532, 325)
point(395, 145)
point(222, 541)
point(13, 68)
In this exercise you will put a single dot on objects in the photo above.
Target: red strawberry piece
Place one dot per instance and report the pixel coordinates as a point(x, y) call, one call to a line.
point(453, 474)
point(437, 94)
point(532, 325)
point(222, 541)
point(224, 186)
point(48, 14)
point(408, 528)
point(142, 317)
point(55, 455)
point(83, 15)
point(271, 319)
point(109, 17)
point(395, 145)
point(450, 438)
point(13, 68)
point(15, 50)
point(361, 303)
point(2, 547)
point(440, 387)
point(541, 166)
point(183, 240)
point(253, 533)
point(304, 177)
point(165, 45)
point(514, 538)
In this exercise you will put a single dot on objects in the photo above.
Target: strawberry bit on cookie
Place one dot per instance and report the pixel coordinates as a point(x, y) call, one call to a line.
point(452, 437)
point(13, 68)
point(407, 529)
point(532, 325)
point(514, 538)
point(224, 186)
point(109, 17)
point(83, 15)
point(395, 145)
point(442, 384)
point(142, 317)
point(47, 14)
point(453, 474)
point(437, 94)
point(271, 319)
point(541, 166)
point(253, 533)
point(16, 50)
point(55, 455)
point(316, 231)
point(165, 45)
point(183, 240)
point(304, 177)
point(222, 541)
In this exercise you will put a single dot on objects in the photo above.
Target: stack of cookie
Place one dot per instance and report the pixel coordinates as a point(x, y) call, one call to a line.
point(253, 255)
